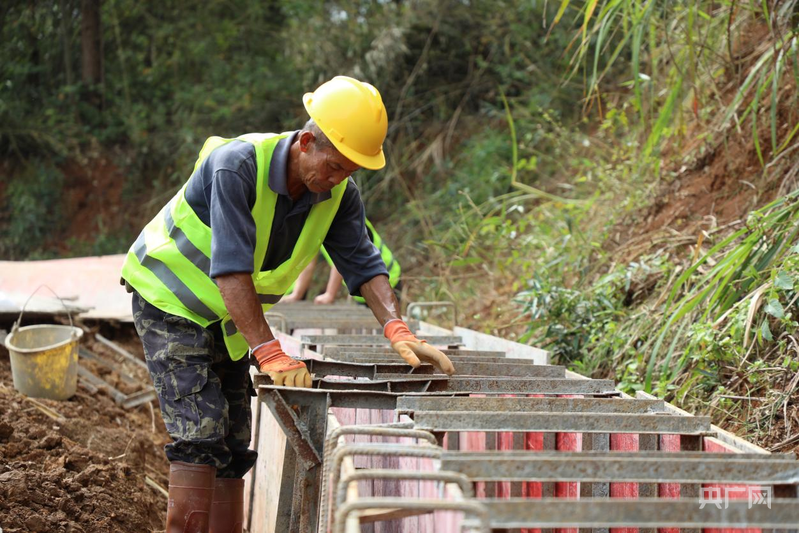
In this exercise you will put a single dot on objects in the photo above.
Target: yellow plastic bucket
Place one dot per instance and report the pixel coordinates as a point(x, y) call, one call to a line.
point(44, 360)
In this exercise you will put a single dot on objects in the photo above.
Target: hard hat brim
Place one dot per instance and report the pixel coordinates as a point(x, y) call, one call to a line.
point(371, 162)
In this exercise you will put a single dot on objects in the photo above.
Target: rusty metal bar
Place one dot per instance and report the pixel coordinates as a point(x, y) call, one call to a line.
point(561, 422)
point(346, 398)
point(606, 467)
point(467, 385)
point(370, 359)
point(559, 513)
point(398, 369)
point(369, 323)
point(521, 455)
point(376, 340)
point(524, 404)
point(387, 352)
point(520, 385)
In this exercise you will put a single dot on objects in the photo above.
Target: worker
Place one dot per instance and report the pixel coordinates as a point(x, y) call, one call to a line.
point(335, 279)
point(253, 213)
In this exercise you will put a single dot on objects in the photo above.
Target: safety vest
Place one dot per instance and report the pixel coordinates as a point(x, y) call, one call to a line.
point(169, 264)
point(392, 265)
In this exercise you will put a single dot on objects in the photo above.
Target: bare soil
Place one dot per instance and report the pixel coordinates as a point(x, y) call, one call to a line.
point(85, 469)
point(725, 180)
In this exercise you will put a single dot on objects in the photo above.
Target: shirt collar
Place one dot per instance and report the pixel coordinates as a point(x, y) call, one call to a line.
point(278, 171)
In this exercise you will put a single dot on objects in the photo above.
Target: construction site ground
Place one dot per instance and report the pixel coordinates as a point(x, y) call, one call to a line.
point(82, 465)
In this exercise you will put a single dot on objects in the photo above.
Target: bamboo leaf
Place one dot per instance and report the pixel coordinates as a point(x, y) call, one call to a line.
point(755, 138)
point(650, 367)
point(688, 273)
point(746, 85)
point(561, 10)
point(775, 87)
point(666, 366)
point(663, 119)
point(788, 139)
point(589, 11)
point(638, 35)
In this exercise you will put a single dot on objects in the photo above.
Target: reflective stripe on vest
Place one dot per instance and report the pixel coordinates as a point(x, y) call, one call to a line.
point(191, 252)
point(171, 281)
point(169, 264)
point(392, 266)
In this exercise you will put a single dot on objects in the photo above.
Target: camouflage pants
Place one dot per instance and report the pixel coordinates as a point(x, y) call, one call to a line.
point(204, 395)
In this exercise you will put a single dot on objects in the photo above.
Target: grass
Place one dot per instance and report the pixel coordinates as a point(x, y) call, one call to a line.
point(708, 321)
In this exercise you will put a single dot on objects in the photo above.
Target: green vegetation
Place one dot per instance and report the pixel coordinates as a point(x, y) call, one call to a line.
point(32, 199)
point(703, 313)
point(613, 180)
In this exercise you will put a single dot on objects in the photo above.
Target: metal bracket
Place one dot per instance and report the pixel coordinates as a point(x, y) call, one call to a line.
point(297, 431)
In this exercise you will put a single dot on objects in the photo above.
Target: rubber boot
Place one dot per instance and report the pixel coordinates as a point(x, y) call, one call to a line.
point(227, 511)
point(191, 492)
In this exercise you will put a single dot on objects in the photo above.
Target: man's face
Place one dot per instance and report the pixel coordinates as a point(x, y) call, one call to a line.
point(322, 168)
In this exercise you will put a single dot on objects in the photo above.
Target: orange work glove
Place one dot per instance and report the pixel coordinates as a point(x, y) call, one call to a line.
point(412, 349)
point(283, 370)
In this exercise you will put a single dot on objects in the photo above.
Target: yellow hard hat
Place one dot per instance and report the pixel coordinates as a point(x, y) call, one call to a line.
point(352, 115)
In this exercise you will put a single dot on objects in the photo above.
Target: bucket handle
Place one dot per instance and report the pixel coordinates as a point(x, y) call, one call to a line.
point(15, 327)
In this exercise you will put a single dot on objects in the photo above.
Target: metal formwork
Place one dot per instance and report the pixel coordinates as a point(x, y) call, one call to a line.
point(504, 445)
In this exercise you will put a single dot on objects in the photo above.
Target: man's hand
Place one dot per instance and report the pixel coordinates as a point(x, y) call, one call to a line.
point(412, 349)
point(381, 300)
point(283, 370)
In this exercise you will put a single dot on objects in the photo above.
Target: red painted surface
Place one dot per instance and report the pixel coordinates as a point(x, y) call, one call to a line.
point(626, 442)
point(733, 492)
point(568, 442)
point(475, 441)
point(533, 442)
point(504, 443)
point(669, 443)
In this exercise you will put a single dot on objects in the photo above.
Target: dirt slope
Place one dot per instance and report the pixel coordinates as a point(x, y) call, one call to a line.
point(83, 472)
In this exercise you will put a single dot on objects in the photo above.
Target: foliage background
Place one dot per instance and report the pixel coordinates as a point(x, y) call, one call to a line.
point(612, 180)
